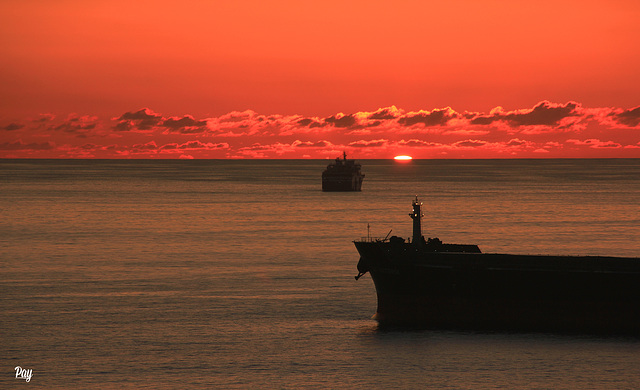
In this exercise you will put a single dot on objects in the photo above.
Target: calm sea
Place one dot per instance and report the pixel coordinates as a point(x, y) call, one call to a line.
point(239, 274)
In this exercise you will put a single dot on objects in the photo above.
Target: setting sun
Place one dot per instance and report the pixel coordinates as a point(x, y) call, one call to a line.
point(403, 158)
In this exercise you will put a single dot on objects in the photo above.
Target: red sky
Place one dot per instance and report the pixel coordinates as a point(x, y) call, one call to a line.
point(308, 79)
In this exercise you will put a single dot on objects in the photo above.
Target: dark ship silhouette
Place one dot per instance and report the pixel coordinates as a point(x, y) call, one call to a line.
point(430, 284)
point(342, 175)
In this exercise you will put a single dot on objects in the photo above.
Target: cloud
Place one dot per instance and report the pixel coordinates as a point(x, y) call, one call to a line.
point(309, 144)
point(483, 120)
point(76, 124)
point(258, 150)
point(376, 133)
point(544, 113)
point(544, 117)
point(311, 123)
point(124, 126)
point(143, 114)
point(295, 148)
point(356, 121)
point(341, 120)
point(174, 147)
point(595, 143)
point(143, 120)
point(437, 117)
point(12, 127)
point(465, 132)
point(630, 117)
point(369, 144)
point(470, 143)
point(417, 143)
point(385, 113)
point(516, 142)
point(240, 116)
point(19, 145)
point(249, 123)
point(185, 125)
point(44, 118)
point(151, 145)
point(196, 145)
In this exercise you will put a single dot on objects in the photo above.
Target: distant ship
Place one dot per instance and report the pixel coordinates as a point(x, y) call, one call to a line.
point(430, 284)
point(342, 175)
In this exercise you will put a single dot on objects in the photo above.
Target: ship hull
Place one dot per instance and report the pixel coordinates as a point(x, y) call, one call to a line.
point(342, 183)
point(417, 287)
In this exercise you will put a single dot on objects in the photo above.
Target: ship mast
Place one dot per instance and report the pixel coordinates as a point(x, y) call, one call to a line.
point(417, 215)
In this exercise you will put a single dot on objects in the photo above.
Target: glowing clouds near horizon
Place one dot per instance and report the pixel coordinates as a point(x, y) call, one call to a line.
point(546, 130)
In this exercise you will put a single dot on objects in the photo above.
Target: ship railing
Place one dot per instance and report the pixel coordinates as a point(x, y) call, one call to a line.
point(372, 239)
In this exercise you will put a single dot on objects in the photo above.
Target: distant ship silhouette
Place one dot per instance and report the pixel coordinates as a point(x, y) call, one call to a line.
point(342, 175)
point(431, 284)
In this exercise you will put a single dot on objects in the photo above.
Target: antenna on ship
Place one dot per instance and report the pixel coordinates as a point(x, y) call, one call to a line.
point(417, 215)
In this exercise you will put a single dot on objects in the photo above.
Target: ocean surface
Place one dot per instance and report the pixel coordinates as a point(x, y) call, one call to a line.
point(213, 274)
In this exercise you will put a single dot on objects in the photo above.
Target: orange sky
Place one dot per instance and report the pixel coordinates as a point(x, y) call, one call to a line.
point(296, 79)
